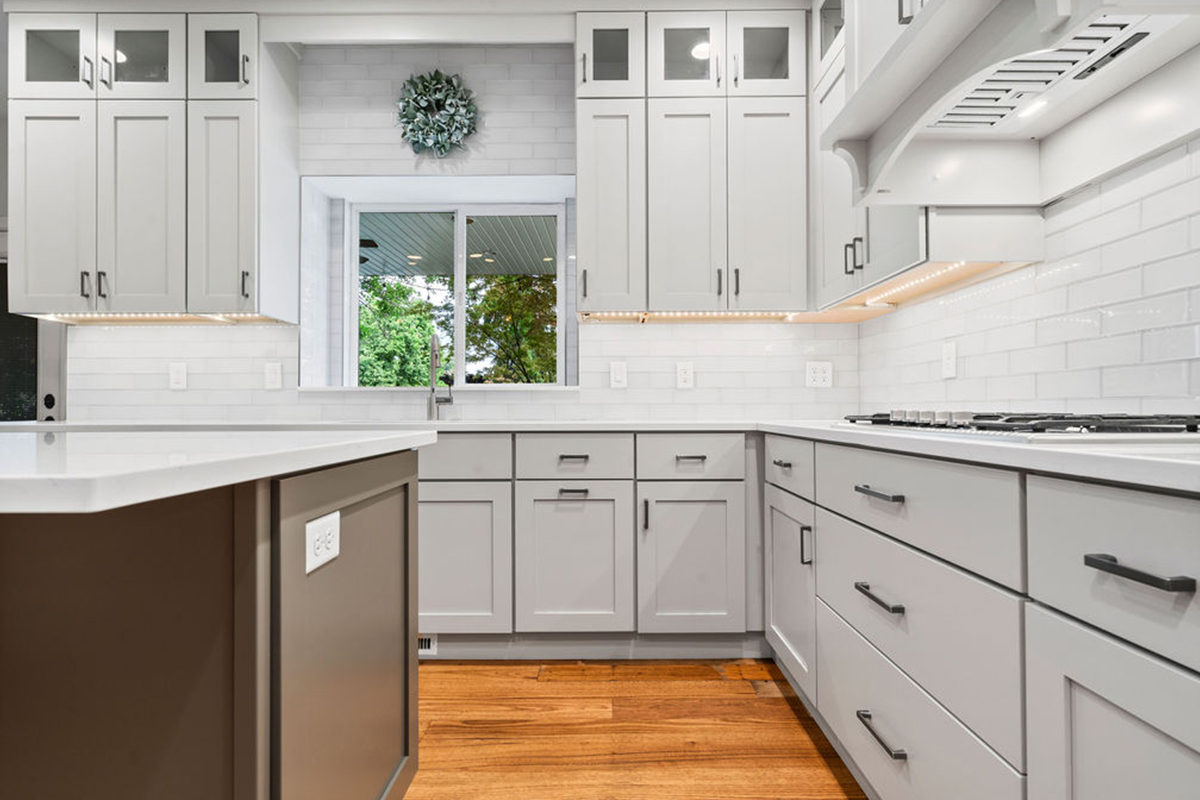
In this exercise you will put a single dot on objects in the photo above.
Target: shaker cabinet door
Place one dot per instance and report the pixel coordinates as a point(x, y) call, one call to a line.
point(685, 54)
point(142, 209)
point(52, 207)
point(611, 190)
point(222, 56)
point(142, 56)
point(767, 53)
point(610, 54)
point(791, 585)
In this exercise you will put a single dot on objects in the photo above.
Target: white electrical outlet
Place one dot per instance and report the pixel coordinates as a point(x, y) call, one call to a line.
point(818, 375)
point(322, 540)
point(950, 360)
point(685, 375)
point(178, 375)
point(273, 375)
point(618, 375)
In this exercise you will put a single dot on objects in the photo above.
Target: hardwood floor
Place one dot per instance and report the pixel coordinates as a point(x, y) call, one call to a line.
point(631, 730)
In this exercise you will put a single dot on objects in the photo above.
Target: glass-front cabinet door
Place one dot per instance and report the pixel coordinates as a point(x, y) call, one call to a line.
point(686, 54)
point(610, 54)
point(223, 56)
point(52, 56)
point(829, 18)
point(766, 53)
point(142, 56)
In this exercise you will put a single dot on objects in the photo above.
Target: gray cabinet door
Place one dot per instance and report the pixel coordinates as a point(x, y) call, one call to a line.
point(692, 557)
point(574, 556)
point(1106, 721)
point(896, 239)
point(791, 585)
point(837, 221)
point(465, 574)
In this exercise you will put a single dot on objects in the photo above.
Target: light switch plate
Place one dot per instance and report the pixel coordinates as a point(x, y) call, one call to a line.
point(322, 540)
point(685, 375)
point(618, 375)
point(950, 360)
point(178, 375)
point(273, 375)
point(818, 374)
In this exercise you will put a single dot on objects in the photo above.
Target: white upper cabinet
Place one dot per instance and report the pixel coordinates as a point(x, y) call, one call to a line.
point(837, 221)
point(141, 262)
point(895, 239)
point(768, 204)
point(688, 200)
point(829, 20)
point(611, 190)
point(52, 206)
point(52, 56)
point(223, 56)
point(610, 54)
point(222, 206)
point(686, 54)
point(766, 53)
point(142, 56)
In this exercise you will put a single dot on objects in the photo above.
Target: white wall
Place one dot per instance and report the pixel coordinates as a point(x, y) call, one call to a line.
point(525, 96)
point(1110, 322)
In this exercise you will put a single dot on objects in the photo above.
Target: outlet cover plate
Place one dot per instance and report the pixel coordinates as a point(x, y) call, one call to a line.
point(685, 375)
point(950, 360)
point(618, 375)
point(273, 375)
point(322, 541)
point(818, 374)
point(177, 373)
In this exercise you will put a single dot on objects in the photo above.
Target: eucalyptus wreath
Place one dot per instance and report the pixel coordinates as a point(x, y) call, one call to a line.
point(436, 112)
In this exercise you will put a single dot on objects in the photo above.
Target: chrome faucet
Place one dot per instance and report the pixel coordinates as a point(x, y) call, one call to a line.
point(435, 366)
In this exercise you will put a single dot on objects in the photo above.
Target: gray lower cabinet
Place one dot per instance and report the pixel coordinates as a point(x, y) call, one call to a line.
point(791, 585)
point(1106, 721)
point(574, 556)
point(691, 557)
point(466, 557)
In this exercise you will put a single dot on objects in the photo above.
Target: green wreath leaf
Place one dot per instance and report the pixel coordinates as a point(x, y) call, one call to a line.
point(436, 112)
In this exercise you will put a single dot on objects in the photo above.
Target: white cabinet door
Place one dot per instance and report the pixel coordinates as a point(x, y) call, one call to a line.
point(1106, 721)
point(692, 557)
point(223, 56)
point(896, 239)
point(141, 237)
point(610, 54)
point(837, 219)
point(829, 20)
point(51, 56)
point(465, 557)
point(574, 554)
point(791, 585)
point(767, 53)
point(768, 204)
point(52, 206)
point(685, 54)
point(222, 206)
point(687, 206)
point(142, 56)
point(611, 191)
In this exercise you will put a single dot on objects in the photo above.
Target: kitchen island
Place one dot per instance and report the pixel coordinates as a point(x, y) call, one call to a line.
point(208, 613)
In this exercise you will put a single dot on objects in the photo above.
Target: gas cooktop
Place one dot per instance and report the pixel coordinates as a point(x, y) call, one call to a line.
point(1038, 427)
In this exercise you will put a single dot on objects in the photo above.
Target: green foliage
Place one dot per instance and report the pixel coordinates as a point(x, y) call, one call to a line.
point(436, 112)
point(394, 328)
point(511, 326)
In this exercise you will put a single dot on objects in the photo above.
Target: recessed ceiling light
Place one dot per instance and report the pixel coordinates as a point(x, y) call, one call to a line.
point(414, 258)
point(476, 255)
point(548, 258)
point(490, 260)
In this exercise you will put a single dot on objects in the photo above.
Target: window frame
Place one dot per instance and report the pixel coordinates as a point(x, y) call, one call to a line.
point(461, 211)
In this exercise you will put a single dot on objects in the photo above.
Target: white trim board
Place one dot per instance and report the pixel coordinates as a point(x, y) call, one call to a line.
point(447, 189)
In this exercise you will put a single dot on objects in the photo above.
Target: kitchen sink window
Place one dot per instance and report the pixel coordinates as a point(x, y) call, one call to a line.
point(487, 280)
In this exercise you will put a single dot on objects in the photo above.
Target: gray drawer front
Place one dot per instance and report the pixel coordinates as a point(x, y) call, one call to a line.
point(1154, 534)
point(957, 636)
point(970, 516)
point(789, 464)
point(468, 456)
point(691, 456)
point(590, 456)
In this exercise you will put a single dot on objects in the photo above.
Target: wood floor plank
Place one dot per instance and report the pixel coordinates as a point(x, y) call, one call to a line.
point(650, 731)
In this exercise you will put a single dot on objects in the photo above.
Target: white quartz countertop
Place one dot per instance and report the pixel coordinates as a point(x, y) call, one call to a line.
point(79, 469)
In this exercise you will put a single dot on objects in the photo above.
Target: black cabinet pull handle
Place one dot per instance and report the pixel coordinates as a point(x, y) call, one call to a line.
point(574, 457)
point(782, 464)
point(690, 458)
point(645, 515)
point(1108, 563)
point(864, 716)
point(572, 492)
point(245, 291)
point(865, 588)
point(101, 277)
point(855, 243)
point(847, 263)
point(85, 281)
point(246, 69)
point(863, 488)
point(585, 75)
point(737, 281)
point(720, 286)
point(803, 530)
point(585, 283)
